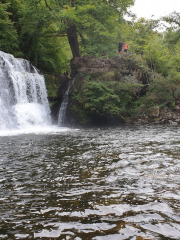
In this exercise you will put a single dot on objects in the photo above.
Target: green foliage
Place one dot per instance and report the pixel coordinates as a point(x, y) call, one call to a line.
point(52, 84)
point(139, 33)
point(82, 115)
point(97, 97)
point(8, 33)
point(159, 93)
point(162, 91)
point(37, 30)
point(157, 55)
point(38, 42)
point(95, 21)
point(51, 58)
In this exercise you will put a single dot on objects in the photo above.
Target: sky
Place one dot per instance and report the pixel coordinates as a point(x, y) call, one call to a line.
point(158, 8)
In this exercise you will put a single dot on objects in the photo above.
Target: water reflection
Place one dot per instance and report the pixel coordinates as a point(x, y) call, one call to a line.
point(114, 183)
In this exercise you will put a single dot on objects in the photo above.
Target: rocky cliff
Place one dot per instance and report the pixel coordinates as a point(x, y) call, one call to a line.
point(131, 92)
point(115, 91)
point(103, 89)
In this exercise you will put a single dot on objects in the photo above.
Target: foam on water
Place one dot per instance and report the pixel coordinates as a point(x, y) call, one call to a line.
point(36, 129)
point(62, 110)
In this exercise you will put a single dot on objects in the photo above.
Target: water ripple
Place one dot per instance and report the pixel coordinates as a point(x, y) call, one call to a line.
point(111, 183)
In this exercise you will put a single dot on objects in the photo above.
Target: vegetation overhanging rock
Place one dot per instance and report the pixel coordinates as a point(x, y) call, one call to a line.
point(120, 90)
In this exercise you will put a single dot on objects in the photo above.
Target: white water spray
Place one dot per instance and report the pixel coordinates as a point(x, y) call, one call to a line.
point(23, 95)
point(62, 110)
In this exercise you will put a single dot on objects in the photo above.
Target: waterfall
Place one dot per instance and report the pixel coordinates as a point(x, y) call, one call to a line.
point(23, 95)
point(62, 110)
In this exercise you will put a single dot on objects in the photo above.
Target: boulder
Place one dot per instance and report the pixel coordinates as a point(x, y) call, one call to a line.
point(167, 116)
point(177, 107)
point(154, 112)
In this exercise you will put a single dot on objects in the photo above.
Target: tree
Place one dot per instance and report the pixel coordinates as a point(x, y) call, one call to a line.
point(172, 33)
point(8, 33)
point(139, 33)
point(173, 19)
point(82, 21)
point(157, 55)
point(41, 30)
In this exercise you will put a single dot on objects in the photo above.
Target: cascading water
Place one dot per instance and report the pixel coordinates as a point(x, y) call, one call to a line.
point(23, 96)
point(62, 110)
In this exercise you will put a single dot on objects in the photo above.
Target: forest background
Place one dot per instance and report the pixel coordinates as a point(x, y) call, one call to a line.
point(49, 33)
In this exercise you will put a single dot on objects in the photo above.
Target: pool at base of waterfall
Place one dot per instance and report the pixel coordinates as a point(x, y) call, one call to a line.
point(96, 183)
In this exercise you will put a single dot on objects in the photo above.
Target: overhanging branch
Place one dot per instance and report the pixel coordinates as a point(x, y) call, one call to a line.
point(47, 5)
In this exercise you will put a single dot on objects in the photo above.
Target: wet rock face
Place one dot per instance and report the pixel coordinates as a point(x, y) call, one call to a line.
point(57, 85)
point(91, 65)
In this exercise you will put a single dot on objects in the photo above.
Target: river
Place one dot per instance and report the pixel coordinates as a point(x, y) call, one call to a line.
point(97, 183)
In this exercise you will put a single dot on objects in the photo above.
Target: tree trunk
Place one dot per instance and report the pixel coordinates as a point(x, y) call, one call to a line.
point(73, 40)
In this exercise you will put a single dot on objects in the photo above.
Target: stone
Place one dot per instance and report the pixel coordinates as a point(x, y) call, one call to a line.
point(177, 107)
point(168, 115)
point(142, 108)
point(154, 112)
point(175, 116)
point(173, 123)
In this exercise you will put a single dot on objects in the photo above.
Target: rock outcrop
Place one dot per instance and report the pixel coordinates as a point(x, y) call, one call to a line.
point(124, 66)
point(56, 85)
point(92, 65)
point(105, 71)
point(133, 78)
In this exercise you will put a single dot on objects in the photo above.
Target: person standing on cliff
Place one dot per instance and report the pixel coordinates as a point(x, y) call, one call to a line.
point(120, 46)
point(130, 53)
point(126, 46)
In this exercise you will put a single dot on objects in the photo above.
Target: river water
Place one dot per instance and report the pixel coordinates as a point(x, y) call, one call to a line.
point(101, 184)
